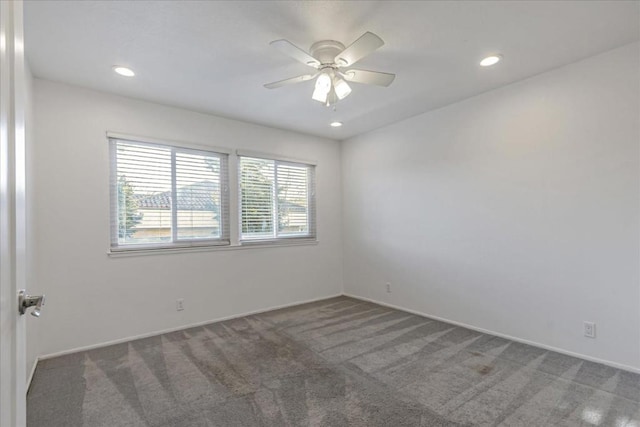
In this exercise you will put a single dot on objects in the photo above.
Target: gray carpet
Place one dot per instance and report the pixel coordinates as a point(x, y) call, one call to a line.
point(338, 362)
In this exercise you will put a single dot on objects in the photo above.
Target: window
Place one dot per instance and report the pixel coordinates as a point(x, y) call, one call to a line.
point(165, 196)
point(277, 199)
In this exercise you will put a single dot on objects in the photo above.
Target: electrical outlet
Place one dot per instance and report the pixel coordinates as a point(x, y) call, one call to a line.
point(388, 287)
point(180, 304)
point(589, 329)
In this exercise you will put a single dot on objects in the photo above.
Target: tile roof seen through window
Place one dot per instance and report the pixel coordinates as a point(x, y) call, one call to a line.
point(195, 197)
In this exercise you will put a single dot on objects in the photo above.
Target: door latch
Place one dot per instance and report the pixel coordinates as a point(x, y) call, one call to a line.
point(25, 301)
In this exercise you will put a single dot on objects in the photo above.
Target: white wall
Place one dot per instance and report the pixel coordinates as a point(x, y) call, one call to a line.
point(93, 298)
point(516, 211)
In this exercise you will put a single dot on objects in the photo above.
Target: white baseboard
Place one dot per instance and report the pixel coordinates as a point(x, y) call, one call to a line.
point(33, 371)
point(498, 334)
point(179, 328)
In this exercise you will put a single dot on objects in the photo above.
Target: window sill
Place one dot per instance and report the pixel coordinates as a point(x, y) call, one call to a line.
point(213, 248)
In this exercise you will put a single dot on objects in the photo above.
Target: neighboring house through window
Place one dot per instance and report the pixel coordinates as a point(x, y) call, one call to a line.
point(167, 196)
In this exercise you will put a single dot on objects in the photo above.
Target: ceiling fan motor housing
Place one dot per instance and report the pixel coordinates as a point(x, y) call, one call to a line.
point(326, 51)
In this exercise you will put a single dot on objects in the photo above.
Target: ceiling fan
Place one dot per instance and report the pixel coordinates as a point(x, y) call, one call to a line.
point(332, 61)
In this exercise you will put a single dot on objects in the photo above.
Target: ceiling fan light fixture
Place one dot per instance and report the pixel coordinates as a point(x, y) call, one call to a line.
point(335, 124)
point(322, 89)
point(341, 87)
point(323, 82)
point(332, 98)
point(319, 96)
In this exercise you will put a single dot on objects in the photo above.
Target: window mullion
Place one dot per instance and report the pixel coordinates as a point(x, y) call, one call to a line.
point(174, 198)
point(276, 217)
point(310, 218)
point(115, 218)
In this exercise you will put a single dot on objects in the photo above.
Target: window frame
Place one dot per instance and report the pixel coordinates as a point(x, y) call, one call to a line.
point(175, 147)
point(311, 236)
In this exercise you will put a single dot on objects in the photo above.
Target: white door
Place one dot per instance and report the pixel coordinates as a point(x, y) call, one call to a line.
point(12, 216)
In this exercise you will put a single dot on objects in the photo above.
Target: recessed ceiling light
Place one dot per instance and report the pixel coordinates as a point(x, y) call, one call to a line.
point(336, 124)
point(123, 71)
point(490, 60)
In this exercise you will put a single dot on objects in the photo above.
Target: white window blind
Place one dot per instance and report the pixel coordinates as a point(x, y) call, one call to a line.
point(166, 196)
point(277, 199)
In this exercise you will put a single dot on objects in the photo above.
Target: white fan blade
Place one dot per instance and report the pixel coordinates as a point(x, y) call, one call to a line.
point(292, 80)
point(369, 77)
point(360, 48)
point(295, 52)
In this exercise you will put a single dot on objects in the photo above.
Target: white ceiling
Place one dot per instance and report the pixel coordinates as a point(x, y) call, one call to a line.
point(215, 56)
